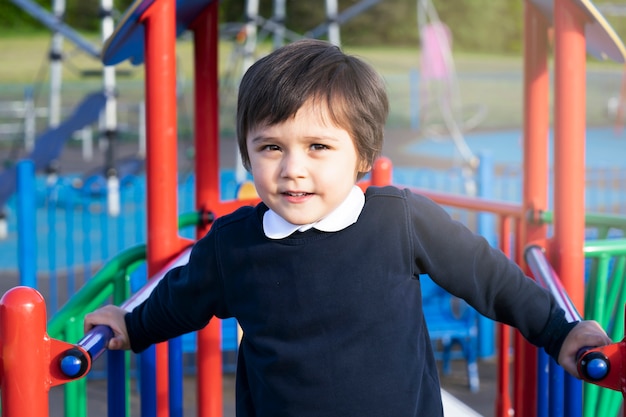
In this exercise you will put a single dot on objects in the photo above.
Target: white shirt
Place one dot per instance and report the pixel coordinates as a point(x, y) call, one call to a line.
point(347, 213)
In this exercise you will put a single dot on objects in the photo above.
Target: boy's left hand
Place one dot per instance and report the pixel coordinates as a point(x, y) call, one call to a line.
point(586, 334)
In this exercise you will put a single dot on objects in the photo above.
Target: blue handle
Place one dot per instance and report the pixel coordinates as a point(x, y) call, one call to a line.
point(594, 366)
point(74, 363)
point(96, 340)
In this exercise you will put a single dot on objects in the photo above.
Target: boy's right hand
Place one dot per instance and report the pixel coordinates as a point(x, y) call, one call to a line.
point(113, 317)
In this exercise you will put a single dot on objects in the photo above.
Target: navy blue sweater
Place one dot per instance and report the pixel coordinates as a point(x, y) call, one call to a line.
point(333, 322)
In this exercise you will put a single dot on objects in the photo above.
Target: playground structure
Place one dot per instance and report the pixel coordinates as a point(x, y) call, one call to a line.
point(439, 89)
point(59, 131)
point(152, 22)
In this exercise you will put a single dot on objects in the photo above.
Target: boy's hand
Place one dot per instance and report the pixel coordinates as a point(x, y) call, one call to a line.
point(585, 334)
point(113, 317)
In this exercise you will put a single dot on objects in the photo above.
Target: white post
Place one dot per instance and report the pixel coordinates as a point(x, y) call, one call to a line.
point(332, 10)
point(30, 120)
point(110, 115)
point(279, 21)
point(56, 68)
point(252, 13)
point(86, 137)
point(141, 120)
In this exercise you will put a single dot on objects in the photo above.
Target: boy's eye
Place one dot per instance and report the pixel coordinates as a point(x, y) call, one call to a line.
point(270, 148)
point(318, 147)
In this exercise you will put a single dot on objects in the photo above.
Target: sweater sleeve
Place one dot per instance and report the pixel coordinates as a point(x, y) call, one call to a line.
point(464, 264)
point(184, 301)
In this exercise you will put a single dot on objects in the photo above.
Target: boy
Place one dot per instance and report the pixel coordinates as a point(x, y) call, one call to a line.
point(324, 279)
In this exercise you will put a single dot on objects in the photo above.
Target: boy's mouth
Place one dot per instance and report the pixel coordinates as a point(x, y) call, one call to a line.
point(296, 194)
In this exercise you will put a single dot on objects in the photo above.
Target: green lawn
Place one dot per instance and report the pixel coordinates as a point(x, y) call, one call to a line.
point(492, 83)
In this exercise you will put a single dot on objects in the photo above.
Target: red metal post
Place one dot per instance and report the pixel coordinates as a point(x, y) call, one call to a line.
point(206, 87)
point(29, 358)
point(382, 172)
point(569, 149)
point(535, 183)
point(536, 122)
point(503, 397)
point(161, 158)
point(23, 338)
point(210, 397)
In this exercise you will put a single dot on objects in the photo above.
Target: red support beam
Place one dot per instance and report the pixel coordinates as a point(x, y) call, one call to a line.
point(206, 36)
point(535, 187)
point(163, 242)
point(569, 149)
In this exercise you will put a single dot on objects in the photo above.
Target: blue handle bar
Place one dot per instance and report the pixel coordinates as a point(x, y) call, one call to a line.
point(74, 363)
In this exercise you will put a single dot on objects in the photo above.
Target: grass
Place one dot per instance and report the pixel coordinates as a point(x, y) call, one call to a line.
point(486, 81)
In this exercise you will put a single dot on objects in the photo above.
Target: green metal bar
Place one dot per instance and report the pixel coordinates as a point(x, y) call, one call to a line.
point(611, 400)
point(193, 218)
point(615, 285)
point(597, 248)
point(607, 400)
point(592, 220)
point(75, 403)
point(600, 401)
point(590, 288)
point(121, 292)
point(113, 279)
point(93, 288)
point(598, 304)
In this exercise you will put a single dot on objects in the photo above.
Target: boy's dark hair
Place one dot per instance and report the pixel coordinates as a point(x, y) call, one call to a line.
point(276, 86)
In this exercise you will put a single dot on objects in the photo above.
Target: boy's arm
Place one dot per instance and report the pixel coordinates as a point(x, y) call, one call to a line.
point(113, 317)
point(585, 334)
point(466, 265)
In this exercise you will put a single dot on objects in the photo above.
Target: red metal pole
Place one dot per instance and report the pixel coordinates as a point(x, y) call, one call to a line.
point(206, 86)
point(569, 149)
point(161, 158)
point(23, 337)
point(503, 397)
point(161, 126)
point(209, 364)
point(382, 172)
point(536, 122)
point(29, 358)
point(535, 183)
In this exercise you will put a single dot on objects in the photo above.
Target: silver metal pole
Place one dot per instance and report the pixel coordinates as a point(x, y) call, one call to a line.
point(252, 13)
point(334, 36)
point(279, 22)
point(56, 68)
point(110, 115)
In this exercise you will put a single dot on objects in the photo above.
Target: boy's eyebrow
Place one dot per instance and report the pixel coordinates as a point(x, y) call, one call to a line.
point(259, 138)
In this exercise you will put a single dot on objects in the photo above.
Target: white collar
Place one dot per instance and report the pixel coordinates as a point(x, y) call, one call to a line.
point(347, 213)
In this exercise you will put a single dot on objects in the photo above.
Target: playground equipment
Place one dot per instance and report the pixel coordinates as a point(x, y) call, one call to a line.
point(441, 109)
point(108, 119)
point(155, 24)
point(451, 321)
point(49, 145)
point(602, 366)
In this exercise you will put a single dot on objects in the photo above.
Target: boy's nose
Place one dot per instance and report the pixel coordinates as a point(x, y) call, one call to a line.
point(293, 165)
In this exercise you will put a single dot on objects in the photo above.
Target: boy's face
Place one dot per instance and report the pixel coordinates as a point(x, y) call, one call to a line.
point(304, 167)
